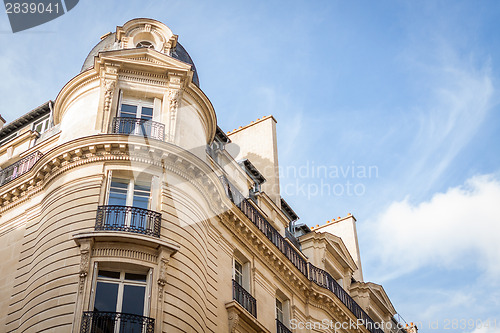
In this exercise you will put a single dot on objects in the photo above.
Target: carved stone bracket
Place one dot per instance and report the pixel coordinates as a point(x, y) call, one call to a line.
point(233, 318)
point(173, 98)
point(85, 253)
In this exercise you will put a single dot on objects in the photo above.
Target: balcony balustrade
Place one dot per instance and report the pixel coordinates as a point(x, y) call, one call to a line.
point(281, 328)
point(137, 126)
point(315, 274)
point(115, 322)
point(129, 219)
point(19, 168)
point(244, 298)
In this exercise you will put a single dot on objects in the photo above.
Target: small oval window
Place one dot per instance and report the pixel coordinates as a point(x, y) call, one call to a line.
point(146, 44)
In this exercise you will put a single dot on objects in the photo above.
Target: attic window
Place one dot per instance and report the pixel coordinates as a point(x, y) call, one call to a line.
point(145, 44)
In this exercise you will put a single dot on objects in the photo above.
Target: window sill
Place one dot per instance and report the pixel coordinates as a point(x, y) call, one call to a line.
point(125, 237)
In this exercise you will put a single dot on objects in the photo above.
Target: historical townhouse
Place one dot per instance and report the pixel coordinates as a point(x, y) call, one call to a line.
point(124, 208)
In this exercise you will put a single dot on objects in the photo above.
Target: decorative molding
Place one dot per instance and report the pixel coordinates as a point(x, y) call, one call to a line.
point(109, 251)
point(173, 98)
point(85, 251)
point(233, 319)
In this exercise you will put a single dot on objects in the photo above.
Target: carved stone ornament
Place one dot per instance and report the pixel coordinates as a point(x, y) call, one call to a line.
point(85, 249)
point(109, 85)
point(162, 276)
point(173, 100)
point(234, 319)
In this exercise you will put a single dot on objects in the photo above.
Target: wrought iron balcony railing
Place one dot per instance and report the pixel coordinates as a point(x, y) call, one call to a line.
point(260, 222)
point(243, 297)
point(113, 322)
point(19, 168)
point(315, 274)
point(137, 126)
point(130, 219)
point(281, 328)
point(325, 280)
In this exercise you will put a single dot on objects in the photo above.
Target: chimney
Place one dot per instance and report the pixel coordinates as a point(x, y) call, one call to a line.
point(411, 328)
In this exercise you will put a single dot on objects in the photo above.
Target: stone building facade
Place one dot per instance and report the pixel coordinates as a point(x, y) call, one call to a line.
point(125, 208)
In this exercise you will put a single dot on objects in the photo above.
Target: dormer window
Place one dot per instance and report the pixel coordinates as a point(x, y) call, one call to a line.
point(41, 125)
point(145, 44)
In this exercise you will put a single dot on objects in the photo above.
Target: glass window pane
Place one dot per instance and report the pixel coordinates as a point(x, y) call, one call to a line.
point(147, 113)
point(128, 110)
point(133, 299)
point(105, 297)
point(108, 274)
point(141, 195)
point(118, 192)
point(135, 277)
point(238, 273)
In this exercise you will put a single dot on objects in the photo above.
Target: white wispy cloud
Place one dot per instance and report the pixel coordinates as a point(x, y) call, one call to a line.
point(458, 98)
point(455, 229)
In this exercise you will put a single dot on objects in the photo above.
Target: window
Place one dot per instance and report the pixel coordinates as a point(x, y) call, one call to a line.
point(238, 272)
point(282, 311)
point(279, 310)
point(129, 192)
point(130, 204)
point(145, 44)
point(41, 125)
point(136, 108)
point(121, 301)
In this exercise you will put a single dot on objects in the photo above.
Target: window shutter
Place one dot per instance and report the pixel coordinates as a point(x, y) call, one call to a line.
point(108, 185)
point(155, 193)
point(92, 291)
point(156, 109)
point(119, 103)
point(147, 305)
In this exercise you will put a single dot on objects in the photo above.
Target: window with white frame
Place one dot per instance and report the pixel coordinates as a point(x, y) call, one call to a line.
point(279, 310)
point(136, 108)
point(282, 308)
point(41, 125)
point(120, 300)
point(238, 272)
point(241, 271)
point(129, 192)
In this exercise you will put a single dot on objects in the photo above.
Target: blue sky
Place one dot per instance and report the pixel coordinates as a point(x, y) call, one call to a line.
point(407, 88)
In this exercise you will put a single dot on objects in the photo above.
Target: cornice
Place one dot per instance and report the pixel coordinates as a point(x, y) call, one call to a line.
point(113, 148)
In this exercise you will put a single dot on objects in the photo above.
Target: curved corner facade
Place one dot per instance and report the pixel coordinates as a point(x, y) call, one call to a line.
point(123, 210)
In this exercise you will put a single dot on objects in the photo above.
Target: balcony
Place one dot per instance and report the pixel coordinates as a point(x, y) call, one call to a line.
point(140, 127)
point(129, 219)
point(315, 274)
point(325, 280)
point(113, 322)
point(19, 168)
point(263, 225)
point(281, 328)
point(244, 298)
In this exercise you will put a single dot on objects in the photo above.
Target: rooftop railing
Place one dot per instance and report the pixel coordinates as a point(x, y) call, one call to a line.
point(137, 126)
point(19, 168)
point(315, 274)
point(96, 321)
point(129, 219)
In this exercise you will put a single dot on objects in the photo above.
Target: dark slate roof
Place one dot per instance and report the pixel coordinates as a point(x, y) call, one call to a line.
point(221, 136)
point(109, 43)
point(285, 207)
point(252, 171)
point(29, 117)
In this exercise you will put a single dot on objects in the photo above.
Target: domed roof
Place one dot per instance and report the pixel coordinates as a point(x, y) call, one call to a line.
point(109, 43)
